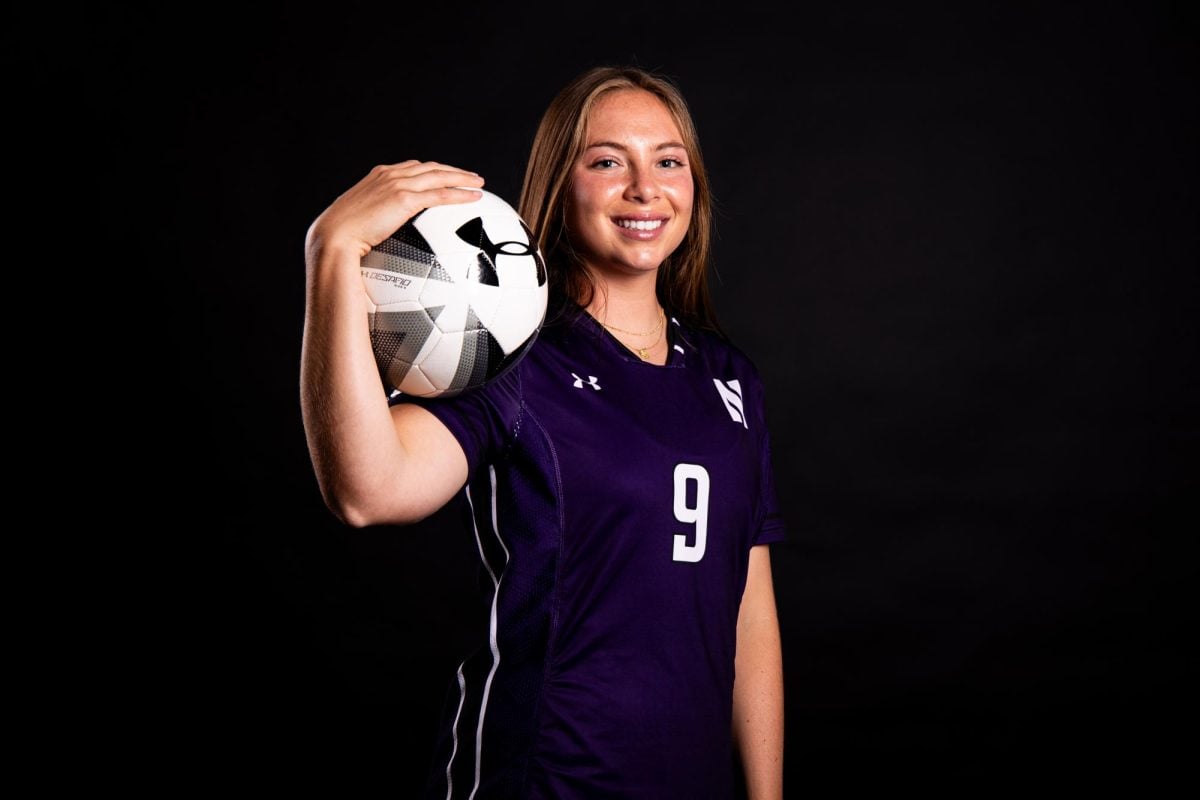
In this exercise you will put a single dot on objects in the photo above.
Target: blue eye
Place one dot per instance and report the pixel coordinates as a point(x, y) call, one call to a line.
point(605, 162)
point(671, 162)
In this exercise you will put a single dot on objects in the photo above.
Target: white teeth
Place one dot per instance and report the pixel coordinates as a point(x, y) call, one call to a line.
point(641, 224)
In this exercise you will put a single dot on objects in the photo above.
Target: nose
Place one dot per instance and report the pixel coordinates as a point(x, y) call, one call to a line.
point(642, 187)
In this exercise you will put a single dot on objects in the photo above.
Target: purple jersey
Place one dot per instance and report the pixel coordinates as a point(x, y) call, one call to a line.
point(614, 503)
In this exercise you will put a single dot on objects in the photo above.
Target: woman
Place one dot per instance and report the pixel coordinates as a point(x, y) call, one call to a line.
point(617, 479)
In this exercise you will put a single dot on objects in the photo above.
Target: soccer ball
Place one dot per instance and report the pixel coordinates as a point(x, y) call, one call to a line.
point(458, 296)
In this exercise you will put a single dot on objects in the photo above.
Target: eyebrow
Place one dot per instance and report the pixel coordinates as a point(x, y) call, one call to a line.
point(619, 146)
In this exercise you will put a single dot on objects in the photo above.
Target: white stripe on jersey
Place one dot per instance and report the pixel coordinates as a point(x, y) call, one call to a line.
point(487, 686)
point(462, 696)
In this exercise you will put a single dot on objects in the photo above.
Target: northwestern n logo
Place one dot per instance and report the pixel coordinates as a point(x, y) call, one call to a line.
point(731, 393)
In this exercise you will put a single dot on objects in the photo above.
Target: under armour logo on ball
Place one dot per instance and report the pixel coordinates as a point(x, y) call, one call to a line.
point(591, 381)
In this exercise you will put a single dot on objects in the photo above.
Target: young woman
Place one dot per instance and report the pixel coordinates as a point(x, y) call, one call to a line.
point(617, 480)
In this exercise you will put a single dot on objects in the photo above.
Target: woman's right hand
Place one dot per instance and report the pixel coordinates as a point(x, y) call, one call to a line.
point(390, 195)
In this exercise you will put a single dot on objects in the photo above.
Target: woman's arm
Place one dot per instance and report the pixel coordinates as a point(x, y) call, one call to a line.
point(758, 685)
point(374, 464)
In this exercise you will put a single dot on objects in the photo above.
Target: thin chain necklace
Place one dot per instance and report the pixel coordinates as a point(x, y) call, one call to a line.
point(644, 352)
point(662, 318)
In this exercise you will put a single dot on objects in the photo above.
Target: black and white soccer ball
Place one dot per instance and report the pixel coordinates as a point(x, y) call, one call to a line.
point(458, 296)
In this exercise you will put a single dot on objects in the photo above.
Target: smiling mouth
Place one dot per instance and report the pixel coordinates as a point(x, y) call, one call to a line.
point(641, 224)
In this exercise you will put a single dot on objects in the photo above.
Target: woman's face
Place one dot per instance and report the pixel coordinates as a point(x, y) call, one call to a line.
point(630, 197)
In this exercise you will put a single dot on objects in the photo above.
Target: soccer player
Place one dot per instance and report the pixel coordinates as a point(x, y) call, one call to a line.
point(617, 480)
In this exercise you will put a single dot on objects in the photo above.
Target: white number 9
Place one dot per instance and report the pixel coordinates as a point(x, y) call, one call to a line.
point(697, 515)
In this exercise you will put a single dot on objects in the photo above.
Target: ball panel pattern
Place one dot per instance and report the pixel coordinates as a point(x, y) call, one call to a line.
point(459, 294)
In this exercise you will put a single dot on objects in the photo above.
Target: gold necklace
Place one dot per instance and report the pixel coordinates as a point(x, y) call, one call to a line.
point(644, 352)
point(662, 318)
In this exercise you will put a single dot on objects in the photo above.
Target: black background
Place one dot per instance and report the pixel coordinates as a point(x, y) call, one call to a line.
point(960, 246)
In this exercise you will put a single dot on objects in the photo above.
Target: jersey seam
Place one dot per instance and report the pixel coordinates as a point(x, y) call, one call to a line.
point(763, 448)
point(552, 637)
point(515, 429)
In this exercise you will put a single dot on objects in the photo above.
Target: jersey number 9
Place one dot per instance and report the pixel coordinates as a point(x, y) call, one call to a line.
point(693, 515)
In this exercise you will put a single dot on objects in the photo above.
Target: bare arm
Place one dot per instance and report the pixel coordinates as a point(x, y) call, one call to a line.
point(758, 685)
point(374, 464)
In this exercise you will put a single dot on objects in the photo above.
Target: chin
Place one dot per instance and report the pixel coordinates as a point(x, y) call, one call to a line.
point(640, 267)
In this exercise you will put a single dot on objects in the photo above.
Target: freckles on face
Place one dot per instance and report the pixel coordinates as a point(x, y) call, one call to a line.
point(630, 198)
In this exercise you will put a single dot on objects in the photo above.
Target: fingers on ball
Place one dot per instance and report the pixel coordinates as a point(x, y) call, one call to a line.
point(459, 195)
point(419, 167)
point(415, 201)
point(435, 179)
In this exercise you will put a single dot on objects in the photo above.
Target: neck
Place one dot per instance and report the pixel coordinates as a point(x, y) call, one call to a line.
point(629, 302)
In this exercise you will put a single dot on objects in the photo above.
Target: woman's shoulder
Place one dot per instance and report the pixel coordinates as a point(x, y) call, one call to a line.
point(714, 345)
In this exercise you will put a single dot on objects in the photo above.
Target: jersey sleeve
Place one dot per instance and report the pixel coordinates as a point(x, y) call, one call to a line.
point(482, 419)
point(771, 526)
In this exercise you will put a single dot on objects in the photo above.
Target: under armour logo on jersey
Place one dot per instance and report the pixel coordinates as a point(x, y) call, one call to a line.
point(731, 393)
point(591, 381)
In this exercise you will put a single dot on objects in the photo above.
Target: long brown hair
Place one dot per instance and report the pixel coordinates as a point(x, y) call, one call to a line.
point(682, 283)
